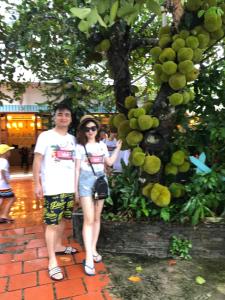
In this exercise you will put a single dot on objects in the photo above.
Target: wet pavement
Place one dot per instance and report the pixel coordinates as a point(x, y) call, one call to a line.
point(23, 257)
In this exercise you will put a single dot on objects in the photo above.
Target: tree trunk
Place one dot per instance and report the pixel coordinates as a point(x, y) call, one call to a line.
point(118, 58)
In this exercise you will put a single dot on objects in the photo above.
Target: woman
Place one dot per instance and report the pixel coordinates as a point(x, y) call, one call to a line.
point(98, 156)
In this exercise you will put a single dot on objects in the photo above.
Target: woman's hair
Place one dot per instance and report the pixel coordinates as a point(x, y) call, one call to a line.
point(81, 135)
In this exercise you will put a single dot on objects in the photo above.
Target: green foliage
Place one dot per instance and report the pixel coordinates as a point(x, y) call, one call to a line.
point(205, 197)
point(126, 201)
point(180, 247)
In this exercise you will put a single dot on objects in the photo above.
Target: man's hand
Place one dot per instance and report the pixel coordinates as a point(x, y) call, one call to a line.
point(38, 191)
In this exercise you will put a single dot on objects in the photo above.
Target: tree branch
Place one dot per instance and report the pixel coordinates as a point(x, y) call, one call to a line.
point(143, 42)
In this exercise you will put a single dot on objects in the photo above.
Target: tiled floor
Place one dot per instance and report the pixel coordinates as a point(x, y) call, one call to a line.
point(23, 258)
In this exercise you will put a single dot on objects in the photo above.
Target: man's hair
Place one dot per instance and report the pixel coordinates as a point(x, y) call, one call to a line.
point(62, 106)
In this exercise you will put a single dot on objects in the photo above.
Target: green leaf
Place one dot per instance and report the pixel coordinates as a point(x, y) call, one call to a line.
point(113, 12)
point(83, 26)
point(201, 13)
point(80, 13)
point(101, 22)
point(199, 280)
point(165, 214)
point(92, 18)
point(154, 7)
point(125, 10)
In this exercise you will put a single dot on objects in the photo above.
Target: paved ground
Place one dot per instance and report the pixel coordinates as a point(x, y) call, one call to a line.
point(23, 258)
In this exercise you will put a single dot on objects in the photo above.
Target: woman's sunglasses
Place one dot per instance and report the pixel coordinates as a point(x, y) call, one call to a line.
point(92, 128)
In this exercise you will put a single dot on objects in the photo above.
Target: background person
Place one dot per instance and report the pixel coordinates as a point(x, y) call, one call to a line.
point(98, 155)
point(54, 161)
point(6, 193)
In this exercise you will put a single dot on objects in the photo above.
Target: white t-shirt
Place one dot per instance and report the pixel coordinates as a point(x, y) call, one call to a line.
point(111, 145)
point(123, 155)
point(58, 163)
point(4, 165)
point(96, 152)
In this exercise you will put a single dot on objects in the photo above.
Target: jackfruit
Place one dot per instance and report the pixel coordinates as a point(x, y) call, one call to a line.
point(177, 81)
point(198, 55)
point(186, 97)
point(167, 54)
point(157, 69)
point(192, 95)
point(146, 190)
point(145, 122)
point(164, 77)
point(131, 113)
point(184, 34)
point(184, 167)
point(147, 106)
point(160, 195)
point(105, 45)
point(177, 190)
point(185, 66)
point(164, 30)
point(138, 159)
point(185, 54)
point(175, 36)
point(133, 123)
point(192, 42)
point(118, 119)
point(212, 21)
point(157, 79)
point(111, 120)
point(177, 158)
point(218, 34)
point(152, 164)
point(209, 3)
point(137, 149)
point(171, 169)
point(199, 30)
point(176, 99)
point(130, 102)
point(155, 122)
point(203, 40)
point(164, 40)
point(193, 5)
point(139, 112)
point(178, 43)
point(125, 146)
point(134, 138)
point(169, 67)
point(124, 128)
point(193, 75)
point(155, 52)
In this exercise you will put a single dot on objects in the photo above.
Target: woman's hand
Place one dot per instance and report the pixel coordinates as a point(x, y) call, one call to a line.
point(118, 144)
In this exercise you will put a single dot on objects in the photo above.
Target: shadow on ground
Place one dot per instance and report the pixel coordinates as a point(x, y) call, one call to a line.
point(165, 279)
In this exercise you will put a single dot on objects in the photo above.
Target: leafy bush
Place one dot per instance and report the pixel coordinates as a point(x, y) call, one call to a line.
point(206, 197)
point(180, 247)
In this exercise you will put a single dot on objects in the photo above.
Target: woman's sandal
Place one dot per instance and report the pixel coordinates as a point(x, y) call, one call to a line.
point(54, 271)
point(86, 268)
point(97, 258)
point(67, 250)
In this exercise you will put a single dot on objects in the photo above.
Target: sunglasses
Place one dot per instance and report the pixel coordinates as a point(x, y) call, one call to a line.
point(92, 128)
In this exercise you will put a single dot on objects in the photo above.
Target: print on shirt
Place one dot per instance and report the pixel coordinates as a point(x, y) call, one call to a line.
point(94, 158)
point(63, 152)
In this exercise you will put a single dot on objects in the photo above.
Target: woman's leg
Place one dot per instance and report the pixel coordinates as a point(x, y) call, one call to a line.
point(97, 224)
point(88, 223)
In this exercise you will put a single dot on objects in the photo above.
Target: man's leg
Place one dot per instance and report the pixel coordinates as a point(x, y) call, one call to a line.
point(51, 234)
point(59, 237)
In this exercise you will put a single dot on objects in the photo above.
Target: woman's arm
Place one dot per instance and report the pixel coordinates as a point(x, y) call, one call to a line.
point(110, 160)
point(77, 175)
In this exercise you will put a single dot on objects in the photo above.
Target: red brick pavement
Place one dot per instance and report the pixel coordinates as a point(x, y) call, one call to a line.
point(23, 258)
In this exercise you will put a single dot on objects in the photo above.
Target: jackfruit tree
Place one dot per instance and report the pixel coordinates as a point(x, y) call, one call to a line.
point(166, 43)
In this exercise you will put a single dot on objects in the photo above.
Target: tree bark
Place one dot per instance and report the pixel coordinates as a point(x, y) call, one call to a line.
point(118, 59)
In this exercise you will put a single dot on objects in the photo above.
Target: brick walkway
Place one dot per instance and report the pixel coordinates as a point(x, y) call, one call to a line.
point(23, 258)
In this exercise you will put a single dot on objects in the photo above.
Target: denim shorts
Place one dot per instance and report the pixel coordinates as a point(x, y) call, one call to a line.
point(86, 182)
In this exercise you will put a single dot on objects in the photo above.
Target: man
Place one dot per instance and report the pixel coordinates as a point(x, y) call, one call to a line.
point(53, 171)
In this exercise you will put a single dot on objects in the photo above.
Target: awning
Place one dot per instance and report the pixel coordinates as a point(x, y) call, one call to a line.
point(23, 108)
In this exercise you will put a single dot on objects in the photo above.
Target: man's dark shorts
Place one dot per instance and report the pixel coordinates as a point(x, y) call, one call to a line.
point(57, 207)
point(7, 193)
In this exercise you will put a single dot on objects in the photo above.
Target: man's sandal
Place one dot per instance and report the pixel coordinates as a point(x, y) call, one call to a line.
point(67, 250)
point(97, 258)
point(54, 271)
point(88, 268)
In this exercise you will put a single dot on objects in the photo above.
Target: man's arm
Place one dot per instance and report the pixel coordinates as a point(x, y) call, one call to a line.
point(3, 173)
point(36, 174)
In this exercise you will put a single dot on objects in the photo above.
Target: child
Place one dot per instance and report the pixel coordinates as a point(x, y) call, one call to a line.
point(6, 192)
